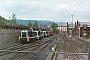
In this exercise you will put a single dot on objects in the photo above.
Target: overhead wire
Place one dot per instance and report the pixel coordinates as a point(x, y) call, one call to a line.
point(78, 7)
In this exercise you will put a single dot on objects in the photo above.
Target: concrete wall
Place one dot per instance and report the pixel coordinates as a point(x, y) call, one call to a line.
point(8, 36)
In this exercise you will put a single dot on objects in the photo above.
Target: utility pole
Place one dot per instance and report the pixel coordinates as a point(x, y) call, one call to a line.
point(61, 27)
point(18, 24)
point(89, 52)
point(72, 24)
point(3, 21)
point(10, 21)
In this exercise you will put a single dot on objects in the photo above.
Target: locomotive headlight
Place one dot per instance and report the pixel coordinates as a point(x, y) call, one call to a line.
point(37, 36)
point(28, 38)
point(19, 38)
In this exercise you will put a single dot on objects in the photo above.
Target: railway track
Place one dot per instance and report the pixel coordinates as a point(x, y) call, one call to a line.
point(79, 45)
point(39, 48)
point(31, 49)
point(66, 49)
point(79, 42)
point(70, 48)
point(83, 42)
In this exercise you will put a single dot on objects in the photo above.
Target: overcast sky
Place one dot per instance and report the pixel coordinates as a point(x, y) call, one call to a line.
point(53, 10)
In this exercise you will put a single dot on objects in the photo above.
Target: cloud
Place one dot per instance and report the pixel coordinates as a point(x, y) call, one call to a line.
point(54, 10)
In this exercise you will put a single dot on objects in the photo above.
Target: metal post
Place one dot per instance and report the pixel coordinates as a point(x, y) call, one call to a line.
point(79, 31)
point(61, 26)
point(18, 24)
point(3, 22)
point(67, 29)
point(72, 24)
point(89, 52)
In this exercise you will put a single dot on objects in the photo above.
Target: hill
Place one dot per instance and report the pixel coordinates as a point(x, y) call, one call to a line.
point(25, 22)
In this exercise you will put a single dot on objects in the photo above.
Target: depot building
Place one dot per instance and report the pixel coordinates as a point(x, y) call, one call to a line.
point(80, 29)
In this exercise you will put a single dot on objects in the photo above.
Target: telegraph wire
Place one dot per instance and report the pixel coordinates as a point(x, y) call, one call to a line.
point(78, 7)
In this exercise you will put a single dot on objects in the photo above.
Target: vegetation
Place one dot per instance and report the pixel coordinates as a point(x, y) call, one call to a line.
point(54, 27)
point(57, 45)
point(35, 24)
point(29, 23)
point(2, 19)
point(21, 24)
point(13, 20)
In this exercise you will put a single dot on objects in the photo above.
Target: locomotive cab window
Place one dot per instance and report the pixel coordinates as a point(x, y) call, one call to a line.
point(34, 33)
point(23, 34)
point(30, 34)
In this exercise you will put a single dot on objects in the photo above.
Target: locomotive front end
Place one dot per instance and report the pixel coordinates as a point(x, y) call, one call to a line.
point(24, 36)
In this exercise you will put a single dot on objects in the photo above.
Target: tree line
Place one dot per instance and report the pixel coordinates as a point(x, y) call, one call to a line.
point(34, 25)
point(53, 26)
point(13, 21)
